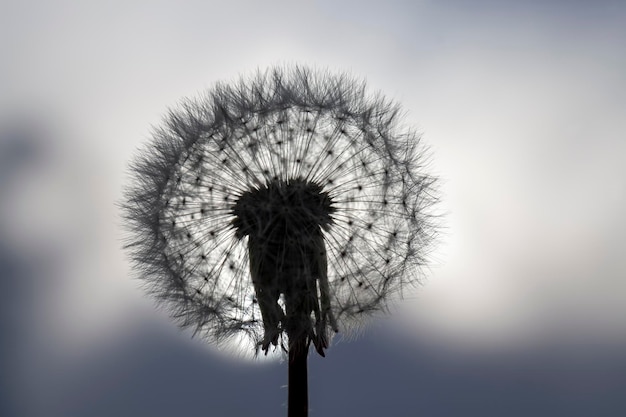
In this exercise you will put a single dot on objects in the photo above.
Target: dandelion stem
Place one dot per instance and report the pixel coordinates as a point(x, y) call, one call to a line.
point(298, 396)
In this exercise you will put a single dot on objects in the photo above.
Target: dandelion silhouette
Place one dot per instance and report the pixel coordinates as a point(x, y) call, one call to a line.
point(279, 211)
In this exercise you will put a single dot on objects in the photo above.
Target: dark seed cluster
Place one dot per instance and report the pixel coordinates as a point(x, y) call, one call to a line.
point(289, 204)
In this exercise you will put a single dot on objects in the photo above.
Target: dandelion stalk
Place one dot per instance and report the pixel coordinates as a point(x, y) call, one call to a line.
point(281, 210)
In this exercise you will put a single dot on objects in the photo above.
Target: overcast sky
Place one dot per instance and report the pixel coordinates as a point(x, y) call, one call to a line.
point(523, 105)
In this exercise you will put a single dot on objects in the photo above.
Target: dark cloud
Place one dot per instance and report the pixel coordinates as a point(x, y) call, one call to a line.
point(157, 375)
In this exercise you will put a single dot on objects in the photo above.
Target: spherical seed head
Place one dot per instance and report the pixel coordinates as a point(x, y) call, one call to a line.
point(290, 204)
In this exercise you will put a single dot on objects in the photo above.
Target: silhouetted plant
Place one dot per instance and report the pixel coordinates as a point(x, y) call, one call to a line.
point(280, 210)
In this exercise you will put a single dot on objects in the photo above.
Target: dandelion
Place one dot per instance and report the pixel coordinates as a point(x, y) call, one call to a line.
point(281, 210)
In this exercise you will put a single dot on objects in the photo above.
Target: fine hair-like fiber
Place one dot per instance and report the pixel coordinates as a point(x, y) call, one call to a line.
point(291, 201)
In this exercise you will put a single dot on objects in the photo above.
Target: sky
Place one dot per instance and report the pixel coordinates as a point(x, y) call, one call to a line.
point(523, 107)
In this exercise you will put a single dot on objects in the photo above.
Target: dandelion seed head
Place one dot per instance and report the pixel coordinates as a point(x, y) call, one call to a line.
point(288, 202)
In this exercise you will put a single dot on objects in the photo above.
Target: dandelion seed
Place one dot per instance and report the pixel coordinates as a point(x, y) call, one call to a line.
point(281, 210)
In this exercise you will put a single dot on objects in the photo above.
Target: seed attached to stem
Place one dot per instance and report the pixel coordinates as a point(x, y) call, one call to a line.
point(283, 221)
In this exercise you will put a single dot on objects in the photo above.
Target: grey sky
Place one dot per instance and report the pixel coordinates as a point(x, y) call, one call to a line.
point(523, 105)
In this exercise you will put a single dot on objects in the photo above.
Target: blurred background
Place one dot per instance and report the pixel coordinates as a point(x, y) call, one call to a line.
point(523, 105)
